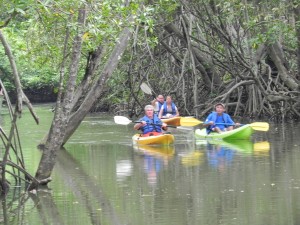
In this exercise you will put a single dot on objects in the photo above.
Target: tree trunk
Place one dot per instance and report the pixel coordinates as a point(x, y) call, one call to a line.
point(201, 60)
point(297, 21)
point(65, 123)
point(97, 89)
point(277, 56)
point(61, 117)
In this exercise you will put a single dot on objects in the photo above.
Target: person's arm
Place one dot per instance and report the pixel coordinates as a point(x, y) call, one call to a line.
point(138, 126)
point(230, 121)
point(160, 112)
point(153, 102)
point(177, 112)
point(208, 121)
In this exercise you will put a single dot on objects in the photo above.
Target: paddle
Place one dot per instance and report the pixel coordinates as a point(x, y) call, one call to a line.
point(189, 121)
point(146, 89)
point(125, 121)
point(263, 146)
point(261, 126)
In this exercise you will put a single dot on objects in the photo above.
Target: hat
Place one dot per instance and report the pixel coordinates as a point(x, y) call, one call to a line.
point(220, 104)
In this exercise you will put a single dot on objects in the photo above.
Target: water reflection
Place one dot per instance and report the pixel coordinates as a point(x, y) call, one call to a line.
point(123, 169)
point(102, 179)
point(89, 194)
point(155, 158)
point(11, 205)
point(220, 154)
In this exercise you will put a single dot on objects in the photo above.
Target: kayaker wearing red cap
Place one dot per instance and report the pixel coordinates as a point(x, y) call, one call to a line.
point(219, 121)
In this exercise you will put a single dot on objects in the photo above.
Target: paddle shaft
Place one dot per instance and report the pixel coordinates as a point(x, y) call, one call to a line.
point(261, 126)
point(228, 124)
point(125, 121)
point(155, 124)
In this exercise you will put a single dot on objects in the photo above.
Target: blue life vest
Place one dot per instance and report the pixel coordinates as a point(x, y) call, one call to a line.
point(159, 106)
point(165, 112)
point(214, 116)
point(152, 124)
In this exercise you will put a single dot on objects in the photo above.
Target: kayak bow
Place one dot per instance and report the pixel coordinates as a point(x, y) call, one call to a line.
point(243, 132)
point(175, 121)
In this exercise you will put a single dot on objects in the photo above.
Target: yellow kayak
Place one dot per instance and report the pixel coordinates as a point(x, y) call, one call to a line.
point(174, 121)
point(164, 139)
point(182, 121)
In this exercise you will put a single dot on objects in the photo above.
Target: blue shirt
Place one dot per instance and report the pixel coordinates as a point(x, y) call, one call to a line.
point(224, 118)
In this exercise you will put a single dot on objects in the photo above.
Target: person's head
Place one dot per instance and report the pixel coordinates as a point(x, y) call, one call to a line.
point(149, 110)
point(220, 107)
point(168, 99)
point(160, 98)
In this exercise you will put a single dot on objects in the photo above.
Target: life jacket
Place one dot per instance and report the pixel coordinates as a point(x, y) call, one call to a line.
point(159, 106)
point(165, 112)
point(213, 117)
point(152, 124)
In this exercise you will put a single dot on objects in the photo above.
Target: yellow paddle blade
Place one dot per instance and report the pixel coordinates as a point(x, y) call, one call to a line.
point(262, 126)
point(261, 148)
point(192, 159)
point(189, 121)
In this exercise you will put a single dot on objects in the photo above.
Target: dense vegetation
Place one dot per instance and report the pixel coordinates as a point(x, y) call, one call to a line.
point(244, 53)
point(91, 54)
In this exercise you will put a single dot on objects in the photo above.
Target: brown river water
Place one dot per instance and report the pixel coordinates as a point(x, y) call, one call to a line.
point(100, 178)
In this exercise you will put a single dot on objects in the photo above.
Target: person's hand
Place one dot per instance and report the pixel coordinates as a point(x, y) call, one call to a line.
point(164, 126)
point(237, 124)
point(168, 115)
point(211, 123)
point(143, 123)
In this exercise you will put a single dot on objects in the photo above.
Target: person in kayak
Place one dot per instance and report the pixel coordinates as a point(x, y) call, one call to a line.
point(169, 109)
point(157, 103)
point(150, 124)
point(219, 121)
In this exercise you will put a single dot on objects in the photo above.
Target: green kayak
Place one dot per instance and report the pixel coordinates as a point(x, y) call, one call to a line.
point(243, 132)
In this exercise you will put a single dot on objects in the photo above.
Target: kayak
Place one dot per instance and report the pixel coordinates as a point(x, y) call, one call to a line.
point(163, 139)
point(182, 121)
point(174, 121)
point(243, 132)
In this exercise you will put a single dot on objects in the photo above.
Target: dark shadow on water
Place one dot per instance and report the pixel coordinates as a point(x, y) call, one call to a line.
point(88, 193)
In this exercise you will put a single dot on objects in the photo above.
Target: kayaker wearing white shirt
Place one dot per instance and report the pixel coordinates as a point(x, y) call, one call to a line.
point(157, 103)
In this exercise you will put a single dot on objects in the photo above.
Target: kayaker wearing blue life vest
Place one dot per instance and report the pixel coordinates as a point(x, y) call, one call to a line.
point(169, 109)
point(219, 121)
point(157, 103)
point(150, 124)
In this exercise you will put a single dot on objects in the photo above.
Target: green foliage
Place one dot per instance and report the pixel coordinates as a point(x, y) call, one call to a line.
point(34, 79)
